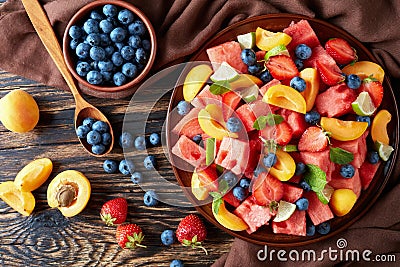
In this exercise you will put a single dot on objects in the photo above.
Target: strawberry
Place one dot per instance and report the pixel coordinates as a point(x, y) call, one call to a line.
point(340, 50)
point(374, 89)
point(282, 67)
point(330, 75)
point(267, 189)
point(114, 211)
point(283, 133)
point(129, 236)
point(191, 232)
point(314, 139)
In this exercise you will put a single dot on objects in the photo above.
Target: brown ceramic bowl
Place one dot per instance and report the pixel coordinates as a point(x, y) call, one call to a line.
point(71, 59)
point(324, 31)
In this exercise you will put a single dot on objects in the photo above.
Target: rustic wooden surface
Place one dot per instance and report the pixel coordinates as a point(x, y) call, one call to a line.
point(46, 237)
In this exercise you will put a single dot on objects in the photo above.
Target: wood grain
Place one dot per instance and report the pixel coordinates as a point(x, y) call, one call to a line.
point(46, 238)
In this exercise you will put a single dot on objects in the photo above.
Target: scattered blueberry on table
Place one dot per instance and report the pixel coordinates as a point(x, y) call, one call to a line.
point(126, 167)
point(168, 237)
point(110, 166)
point(150, 198)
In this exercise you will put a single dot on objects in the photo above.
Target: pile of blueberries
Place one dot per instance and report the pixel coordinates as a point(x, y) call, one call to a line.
point(96, 133)
point(112, 46)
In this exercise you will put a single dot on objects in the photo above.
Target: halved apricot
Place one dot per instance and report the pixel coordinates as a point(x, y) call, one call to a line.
point(23, 202)
point(228, 219)
point(379, 127)
point(198, 189)
point(364, 69)
point(311, 77)
point(284, 167)
point(212, 122)
point(343, 130)
point(244, 81)
point(33, 175)
point(266, 40)
point(285, 97)
point(195, 80)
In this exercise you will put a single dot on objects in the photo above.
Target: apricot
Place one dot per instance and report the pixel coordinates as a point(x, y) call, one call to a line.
point(342, 201)
point(33, 175)
point(198, 189)
point(69, 191)
point(19, 111)
point(226, 218)
point(285, 97)
point(195, 80)
point(23, 202)
point(379, 127)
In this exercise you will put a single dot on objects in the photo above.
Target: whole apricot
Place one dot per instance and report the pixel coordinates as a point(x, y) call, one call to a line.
point(19, 111)
point(342, 201)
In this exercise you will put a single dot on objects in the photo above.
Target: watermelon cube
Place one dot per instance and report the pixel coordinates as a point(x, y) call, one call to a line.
point(228, 52)
point(367, 172)
point(336, 101)
point(255, 153)
point(317, 211)
point(295, 225)
point(252, 214)
point(231, 199)
point(357, 147)
point(233, 155)
point(319, 53)
point(353, 183)
point(321, 159)
point(263, 89)
point(205, 97)
point(291, 193)
point(189, 125)
point(295, 120)
point(230, 101)
point(189, 151)
point(301, 33)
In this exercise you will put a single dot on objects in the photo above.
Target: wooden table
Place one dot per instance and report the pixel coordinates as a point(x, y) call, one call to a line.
point(46, 237)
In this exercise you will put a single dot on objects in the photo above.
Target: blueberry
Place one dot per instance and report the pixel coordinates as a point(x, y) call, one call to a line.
point(230, 178)
point(109, 51)
point(136, 178)
point(135, 41)
point(94, 65)
point(93, 39)
point(353, 81)
point(106, 26)
point(105, 65)
point(299, 64)
point(88, 122)
point(373, 157)
point(100, 126)
point(125, 16)
point(259, 169)
point(149, 162)
point(300, 168)
point(73, 44)
point(298, 83)
point(140, 142)
point(107, 75)
point(83, 68)
point(129, 70)
point(91, 26)
point(104, 40)
point(265, 76)
point(83, 50)
point(126, 140)
point(176, 263)
point(110, 10)
point(119, 79)
point(98, 149)
point(118, 34)
point(119, 46)
point(96, 15)
point(137, 28)
point(127, 52)
point(154, 139)
point(239, 193)
point(310, 229)
point(270, 160)
point(303, 51)
point(347, 171)
point(183, 108)
point(106, 139)
point(97, 53)
point(364, 119)
point(75, 32)
point(110, 166)
point(126, 167)
point(117, 59)
point(302, 204)
point(93, 138)
point(244, 183)
point(146, 45)
point(312, 117)
point(323, 228)
point(168, 237)
point(113, 21)
point(82, 131)
point(94, 77)
point(141, 56)
point(306, 187)
point(248, 57)
point(256, 69)
point(197, 138)
point(234, 125)
point(150, 198)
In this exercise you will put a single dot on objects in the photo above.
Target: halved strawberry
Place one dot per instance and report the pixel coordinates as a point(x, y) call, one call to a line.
point(230, 101)
point(330, 75)
point(267, 189)
point(374, 89)
point(314, 139)
point(340, 50)
point(281, 133)
point(282, 67)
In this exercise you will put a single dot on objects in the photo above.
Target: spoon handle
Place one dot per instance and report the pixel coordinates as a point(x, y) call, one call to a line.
point(46, 34)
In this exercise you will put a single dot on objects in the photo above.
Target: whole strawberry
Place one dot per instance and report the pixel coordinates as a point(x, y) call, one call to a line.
point(114, 211)
point(129, 236)
point(191, 232)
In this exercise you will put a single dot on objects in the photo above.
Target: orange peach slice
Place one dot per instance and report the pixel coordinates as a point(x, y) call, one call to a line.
point(311, 77)
point(285, 97)
point(284, 167)
point(226, 218)
point(33, 175)
point(364, 69)
point(195, 80)
point(379, 127)
point(23, 202)
point(343, 130)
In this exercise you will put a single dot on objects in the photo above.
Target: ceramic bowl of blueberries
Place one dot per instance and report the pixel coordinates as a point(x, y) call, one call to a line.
point(109, 46)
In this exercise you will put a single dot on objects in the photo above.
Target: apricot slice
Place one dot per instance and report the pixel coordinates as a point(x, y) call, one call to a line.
point(364, 69)
point(266, 40)
point(311, 77)
point(244, 81)
point(198, 190)
point(69, 191)
point(379, 127)
point(23, 202)
point(19, 111)
point(33, 175)
point(285, 97)
point(342, 201)
point(284, 167)
point(343, 130)
point(226, 218)
point(195, 80)
point(210, 119)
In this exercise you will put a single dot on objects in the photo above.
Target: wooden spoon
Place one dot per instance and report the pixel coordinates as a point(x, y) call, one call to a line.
point(45, 31)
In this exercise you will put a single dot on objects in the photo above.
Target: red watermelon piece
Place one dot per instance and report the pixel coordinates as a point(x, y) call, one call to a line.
point(321, 159)
point(260, 55)
point(318, 211)
point(295, 120)
point(231, 199)
point(254, 156)
point(246, 115)
point(233, 155)
point(353, 183)
point(189, 125)
point(205, 97)
point(301, 33)
point(268, 85)
point(230, 101)
point(319, 53)
point(367, 172)
point(189, 151)
point(252, 214)
point(291, 193)
point(295, 225)
point(336, 101)
point(228, 52)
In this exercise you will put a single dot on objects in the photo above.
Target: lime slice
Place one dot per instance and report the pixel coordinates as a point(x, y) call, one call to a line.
point(277, 50)
point(290, 148)
point(210, 150)
point(247, 40)
point(225, 72)
point(384, 151)
point(363, 105)
point(325, 195)
point(249, 94)
point(285, 210)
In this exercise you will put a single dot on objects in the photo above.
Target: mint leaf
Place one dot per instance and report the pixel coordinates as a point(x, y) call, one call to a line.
point(321, 196)
point(260, 123)
point(340, 156)
point(220, 87)
point(216, 204)
point(274, 119)
point(315, 177)
point(215, 195)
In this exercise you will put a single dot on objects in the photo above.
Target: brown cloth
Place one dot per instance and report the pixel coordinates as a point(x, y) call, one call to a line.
point(182, 26)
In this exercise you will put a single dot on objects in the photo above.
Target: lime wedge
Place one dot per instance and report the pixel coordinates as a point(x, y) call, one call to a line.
point(290, 148)
point(247, 40)
point(210, 150)
point(285, 210)
point(363, 105)
point(249, 94)
point(277, 50)
point(384, 151)
point(225, 72)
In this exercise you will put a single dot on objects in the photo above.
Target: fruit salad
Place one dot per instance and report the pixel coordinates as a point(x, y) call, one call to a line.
point(276, 129)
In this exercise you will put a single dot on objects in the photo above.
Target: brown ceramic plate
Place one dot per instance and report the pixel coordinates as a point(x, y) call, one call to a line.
point(324, 30)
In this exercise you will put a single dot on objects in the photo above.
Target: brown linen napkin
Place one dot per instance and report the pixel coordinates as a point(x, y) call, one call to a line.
point(182, 26)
